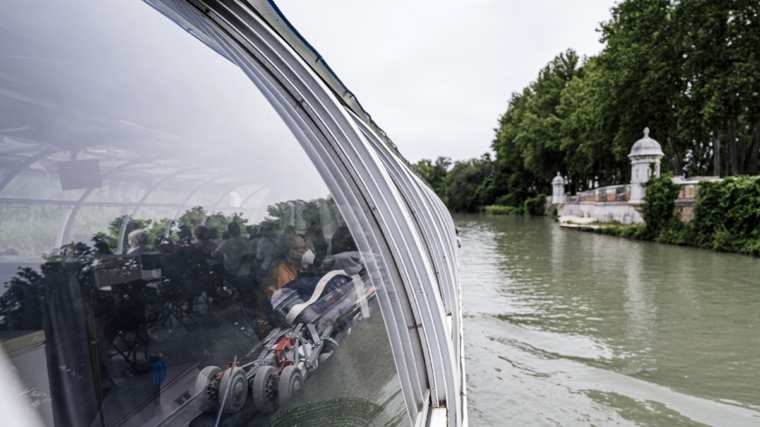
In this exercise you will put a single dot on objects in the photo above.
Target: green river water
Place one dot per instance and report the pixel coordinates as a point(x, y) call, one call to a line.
point(568, 328)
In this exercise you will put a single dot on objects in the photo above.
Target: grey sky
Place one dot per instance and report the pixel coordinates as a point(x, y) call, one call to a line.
point(436, 75)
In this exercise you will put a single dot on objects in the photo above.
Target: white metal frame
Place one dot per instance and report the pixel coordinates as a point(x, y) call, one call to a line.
point(416, 302)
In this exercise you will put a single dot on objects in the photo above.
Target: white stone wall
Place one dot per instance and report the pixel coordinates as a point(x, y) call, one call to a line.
point(602, 212)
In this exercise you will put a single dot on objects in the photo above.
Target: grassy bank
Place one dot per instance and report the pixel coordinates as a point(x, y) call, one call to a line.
point(726, 216)
point(533, 206)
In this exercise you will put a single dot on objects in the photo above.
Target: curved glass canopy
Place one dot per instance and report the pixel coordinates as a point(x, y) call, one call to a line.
point(195, 231)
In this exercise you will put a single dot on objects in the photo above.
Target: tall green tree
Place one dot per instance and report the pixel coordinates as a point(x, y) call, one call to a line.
point(528, 142)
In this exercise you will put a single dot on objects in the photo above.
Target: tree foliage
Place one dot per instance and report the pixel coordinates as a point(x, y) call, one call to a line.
point(687, 69)
point(467, 184)
point(435, 173)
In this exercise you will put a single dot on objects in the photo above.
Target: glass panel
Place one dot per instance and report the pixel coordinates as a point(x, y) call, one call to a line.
point(159, 221)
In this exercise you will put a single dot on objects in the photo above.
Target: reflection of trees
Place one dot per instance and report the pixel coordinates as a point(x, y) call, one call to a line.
point(192, 217)
point(302, 214)
point(157, 227)
point(316, 220)
point(153, 228)
point(23, 302)
point(20, 308)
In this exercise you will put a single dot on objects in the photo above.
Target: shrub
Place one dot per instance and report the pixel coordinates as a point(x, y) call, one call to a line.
point(677, 233)
point(503, 210)
point(507, 200)
point(727, 214)
point(634, 231)
point(659, 202)
point(535, 206)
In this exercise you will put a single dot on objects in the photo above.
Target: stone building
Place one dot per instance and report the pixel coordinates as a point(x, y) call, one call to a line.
point(616, 202)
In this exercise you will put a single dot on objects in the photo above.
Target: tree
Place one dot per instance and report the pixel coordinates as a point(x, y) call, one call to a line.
point(434, 173)
point(467, 184)
point(687, 69)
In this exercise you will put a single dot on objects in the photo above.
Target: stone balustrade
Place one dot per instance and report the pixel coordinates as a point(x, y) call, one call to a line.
point(609, 194)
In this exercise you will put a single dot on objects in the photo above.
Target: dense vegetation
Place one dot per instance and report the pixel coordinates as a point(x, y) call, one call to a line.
point(689, 70)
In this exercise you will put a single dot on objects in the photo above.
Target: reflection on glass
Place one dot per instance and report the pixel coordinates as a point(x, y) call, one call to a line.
point(167, 249)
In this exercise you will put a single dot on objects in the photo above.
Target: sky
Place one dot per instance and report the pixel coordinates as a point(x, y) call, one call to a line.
point(437, 75)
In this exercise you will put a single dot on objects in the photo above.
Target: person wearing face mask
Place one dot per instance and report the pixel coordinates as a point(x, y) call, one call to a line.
point(295, 254)
point(307, 260)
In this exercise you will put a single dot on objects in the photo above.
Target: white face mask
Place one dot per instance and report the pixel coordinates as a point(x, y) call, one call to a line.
point(308, 257)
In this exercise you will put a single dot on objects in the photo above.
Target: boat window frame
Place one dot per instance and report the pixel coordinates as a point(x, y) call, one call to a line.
point(428, 350)
point(304, 102)
point(420, 198)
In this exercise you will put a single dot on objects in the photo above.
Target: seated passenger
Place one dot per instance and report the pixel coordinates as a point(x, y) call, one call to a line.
point(234, 252)
point(101, 246)
point(202, 239)
point(284, 271)
point(138, 242)
point(213, 236)
point(198, 265)
point(307, 260)
point(266, 249)
point(174, 264)
point(185, 236)
point(213, 283)
point(178, 279)
point(345, 255)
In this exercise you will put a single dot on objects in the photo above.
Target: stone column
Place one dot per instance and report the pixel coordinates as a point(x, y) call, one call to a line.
point(558, 190)
point(645, 157)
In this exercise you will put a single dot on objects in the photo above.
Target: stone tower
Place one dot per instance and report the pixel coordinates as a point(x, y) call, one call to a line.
point(645, 157)
point(558, 189)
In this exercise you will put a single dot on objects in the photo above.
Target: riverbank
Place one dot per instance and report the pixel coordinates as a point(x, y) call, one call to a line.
point(726, 217)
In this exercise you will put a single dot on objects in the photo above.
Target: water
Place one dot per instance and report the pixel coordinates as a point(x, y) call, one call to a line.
point(570, 328)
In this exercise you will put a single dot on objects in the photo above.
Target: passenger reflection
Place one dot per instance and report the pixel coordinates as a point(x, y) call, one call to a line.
point(253, 235)
point(213, 236)
point(235, 252)
point(345, 256)
point(198, 268)
point(101, 246)
point(342, 241)
point(138, 242)
point(202, 239)
point(237, 256)
point(184, 234)
point(284, 271)
point(177, 284)
point(308, 257)
point(266, 249)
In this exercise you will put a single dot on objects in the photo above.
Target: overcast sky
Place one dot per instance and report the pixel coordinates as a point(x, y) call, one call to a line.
point(436, 75)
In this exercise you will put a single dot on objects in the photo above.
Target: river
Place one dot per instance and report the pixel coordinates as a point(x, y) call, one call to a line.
point(568, 328)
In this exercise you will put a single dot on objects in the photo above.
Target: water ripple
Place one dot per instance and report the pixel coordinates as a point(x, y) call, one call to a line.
point(570, 328)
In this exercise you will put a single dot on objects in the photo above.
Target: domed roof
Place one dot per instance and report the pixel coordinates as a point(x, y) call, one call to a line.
point(558, 179)
point(646, 146)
